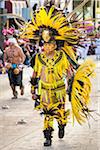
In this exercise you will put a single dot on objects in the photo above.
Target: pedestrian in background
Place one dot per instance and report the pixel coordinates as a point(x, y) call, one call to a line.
point(97, 49)
point(14, 58)
point(1, 61)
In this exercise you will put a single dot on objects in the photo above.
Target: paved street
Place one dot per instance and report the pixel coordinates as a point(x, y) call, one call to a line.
point(29, 136)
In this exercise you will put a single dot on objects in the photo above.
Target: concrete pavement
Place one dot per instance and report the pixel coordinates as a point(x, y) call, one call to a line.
point(29, 136)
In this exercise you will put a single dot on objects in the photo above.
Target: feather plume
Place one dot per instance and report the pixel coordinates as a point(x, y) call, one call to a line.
point(81, 88)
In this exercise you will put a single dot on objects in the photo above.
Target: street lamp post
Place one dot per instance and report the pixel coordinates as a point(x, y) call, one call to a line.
point(94, 9)
point(83, 15)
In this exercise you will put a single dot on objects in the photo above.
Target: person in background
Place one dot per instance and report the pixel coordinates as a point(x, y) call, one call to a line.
point(97, 49)
point(1, 61)
point(13, 59)
point(1, 54)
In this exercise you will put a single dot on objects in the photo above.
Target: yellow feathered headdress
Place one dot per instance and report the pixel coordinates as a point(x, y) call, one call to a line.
point(50, 24)
point(47, 24)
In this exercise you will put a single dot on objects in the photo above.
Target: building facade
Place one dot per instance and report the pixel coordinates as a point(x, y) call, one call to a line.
point(91, 10)
point(15, 6)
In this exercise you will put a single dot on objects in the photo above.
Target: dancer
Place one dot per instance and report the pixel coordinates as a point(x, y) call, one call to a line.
point(56, 72)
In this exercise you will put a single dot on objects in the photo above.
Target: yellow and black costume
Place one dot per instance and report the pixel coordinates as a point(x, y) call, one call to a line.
point(48, 81)
point(52, 90)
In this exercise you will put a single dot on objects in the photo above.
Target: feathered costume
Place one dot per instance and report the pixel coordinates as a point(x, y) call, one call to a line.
point(49, 24)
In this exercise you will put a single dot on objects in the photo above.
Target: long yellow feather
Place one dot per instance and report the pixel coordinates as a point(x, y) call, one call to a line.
point(80, 95)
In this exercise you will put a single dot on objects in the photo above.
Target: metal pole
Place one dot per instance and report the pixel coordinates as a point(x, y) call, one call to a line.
point(83, 15)
point(94, 14)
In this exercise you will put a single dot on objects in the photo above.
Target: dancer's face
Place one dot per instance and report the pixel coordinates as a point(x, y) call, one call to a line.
point(49, 47)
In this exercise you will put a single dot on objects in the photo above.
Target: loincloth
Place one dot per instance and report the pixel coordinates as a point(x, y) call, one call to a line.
point(52, 92)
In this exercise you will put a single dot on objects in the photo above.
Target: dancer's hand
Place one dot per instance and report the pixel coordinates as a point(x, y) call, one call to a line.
point(34, 96)
point(32, 90)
